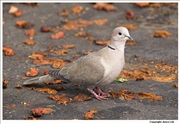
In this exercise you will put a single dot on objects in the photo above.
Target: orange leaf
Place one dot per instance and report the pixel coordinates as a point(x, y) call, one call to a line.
point(30, 32)
point(68, 46)
point(90, 114)
point(161, 33)
point(104, 6)
point(8, 51)
point(142, 4)
point(77, 9)
point(58, 35)
point(29, 42)
point(32, 72)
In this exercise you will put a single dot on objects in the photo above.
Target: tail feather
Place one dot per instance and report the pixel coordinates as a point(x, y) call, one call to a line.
point(40, 79)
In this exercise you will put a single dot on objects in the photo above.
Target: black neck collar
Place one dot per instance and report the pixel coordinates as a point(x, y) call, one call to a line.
point(111, 47)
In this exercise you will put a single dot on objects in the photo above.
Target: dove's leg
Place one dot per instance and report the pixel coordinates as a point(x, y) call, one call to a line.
point(100, 92)
point(96, 95)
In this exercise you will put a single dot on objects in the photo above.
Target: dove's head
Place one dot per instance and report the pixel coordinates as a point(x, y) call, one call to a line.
point(119, 37)
point(121, 34)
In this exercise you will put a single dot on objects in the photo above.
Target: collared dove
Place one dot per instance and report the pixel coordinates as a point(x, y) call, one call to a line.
point(93, 70)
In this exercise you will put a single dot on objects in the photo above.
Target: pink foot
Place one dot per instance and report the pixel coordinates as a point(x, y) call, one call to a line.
point(97, 95)
point(100, 92)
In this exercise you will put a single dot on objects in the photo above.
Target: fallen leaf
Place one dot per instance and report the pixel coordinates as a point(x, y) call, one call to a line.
point(161, 33)
point(58, 35)
point(88, 52)
point(13, 9)
point(77, 9)
point(23, 24)
point(102, 42)
point(61, 52)
point(90, 114)
point(131, 26)
point(81, 97)
point(32, 72)
point(64, 12)
point(60, 88)
point(104, 6)
point(44, 90)
point(100, 21)
point(132, 43)
point(46, 29)
point(68, 46)
point(144, 4)
point(46, 72)
point(18, 86)
point(10, 106)
point(125, 94)
point(175, 85)
point(57, 81)
point(18, 13)
point(130, 15)
point(81, 34)
point(29, 42)
point(37, 55)
point(5, 83)
point(8, 51)
point(62, 99)
point(30, 32)
point(37, 112)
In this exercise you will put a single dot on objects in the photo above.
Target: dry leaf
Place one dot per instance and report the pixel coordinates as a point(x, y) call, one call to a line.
point(58, 35)
point(30, 32)
point(37, 112)
point(45, 29)
point(131, 26)
point(32, 72)
point(37, 55)
point(10, 106)
point(100, 22)
point(104, 6)
point(130, 15)
point(162, 33)
point(8, 51)
point(62, 99)
point(81, 34)
point(64, 13)
point(175, 85)
point(88, 52)
point(30, 118)
point(23, 24)
point(81, 97)
point(18, 86)
point(68, 46)
point(77, 9)
point(61, 52)
point(144, 4)
point(102, 42)
point(57, 81)
point(5, 83)
point(18, 13)
point(29, 42)
point(13, 9)
point(132, 43)
point(90, 114)
point(44, 90)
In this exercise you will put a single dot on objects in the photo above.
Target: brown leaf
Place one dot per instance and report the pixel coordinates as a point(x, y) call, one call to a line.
point(62, 99)
point(132, 43)
point(77, 9)
point(45, 29)
point(131, 26)
point(23, 24)
point(90, 114)
point(44, 90)
point(81, 97)
point(175, 85)
point(8, 51)
point(30, 32)
point(32, 72)
point(37, 55)
point(13, 9)
point(130, 15)
point(10, 106)
point(18, 13)
point(68, 46)
point(18, 86)
point(61, 52)
point(57, 81)
point(5, 83)
point(104, 6)
point(64, 12)
point(161, 33)
point(100, 21)
point(58, 35)
point(81, 34)
point(29, 42)
point(88, 52)
point(144, 4)
point(37, 112)
point(102, 42)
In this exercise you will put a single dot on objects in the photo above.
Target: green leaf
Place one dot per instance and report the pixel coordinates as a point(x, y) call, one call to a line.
point(121, 80)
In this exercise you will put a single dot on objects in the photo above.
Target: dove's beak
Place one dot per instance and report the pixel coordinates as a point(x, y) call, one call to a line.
point(130, 38)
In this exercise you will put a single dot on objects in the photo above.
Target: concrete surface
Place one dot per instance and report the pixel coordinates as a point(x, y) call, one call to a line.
point(150, 49)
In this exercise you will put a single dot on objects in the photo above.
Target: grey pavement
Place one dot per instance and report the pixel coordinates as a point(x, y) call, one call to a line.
point(149, 49)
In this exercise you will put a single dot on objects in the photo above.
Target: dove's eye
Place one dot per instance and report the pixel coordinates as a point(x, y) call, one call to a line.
point(120, 33)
